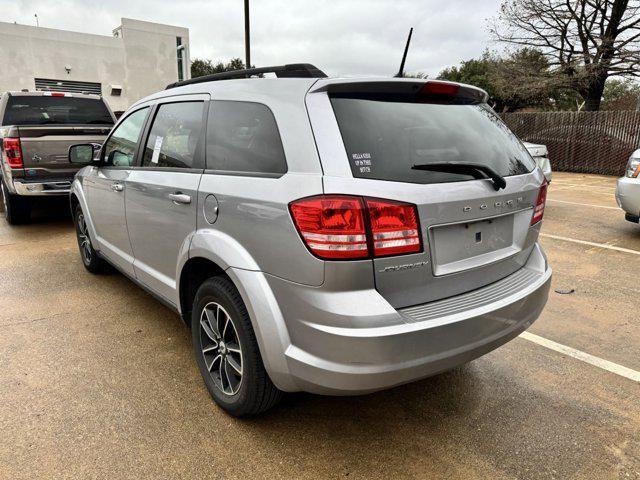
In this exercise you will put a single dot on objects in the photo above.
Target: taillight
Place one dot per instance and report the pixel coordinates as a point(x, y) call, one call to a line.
point(394, 227)
point(12, 152)
point(332, 226)
point(440, 88)
point(348, 227)
point(538, 212)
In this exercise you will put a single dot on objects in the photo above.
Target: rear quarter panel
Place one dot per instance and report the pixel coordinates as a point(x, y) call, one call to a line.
point(253, 229)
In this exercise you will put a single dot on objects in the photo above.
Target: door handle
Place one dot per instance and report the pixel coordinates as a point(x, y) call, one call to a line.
point(180, 198)
point(117, 187)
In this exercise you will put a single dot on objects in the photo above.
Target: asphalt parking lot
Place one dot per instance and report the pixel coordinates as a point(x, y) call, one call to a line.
point(97, 378)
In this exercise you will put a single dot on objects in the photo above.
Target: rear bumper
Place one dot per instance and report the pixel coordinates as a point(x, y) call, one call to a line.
point(628, 196)
point(42, 188)
point(338, 354)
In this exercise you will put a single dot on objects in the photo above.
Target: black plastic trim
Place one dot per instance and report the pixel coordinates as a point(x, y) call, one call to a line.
point(292, 70)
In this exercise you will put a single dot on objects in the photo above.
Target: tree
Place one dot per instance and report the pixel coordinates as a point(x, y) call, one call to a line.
point(621, 95)
point(520, 80)
point(584, 41)
point(616, 89)
point(201, 67)
point(474, 72)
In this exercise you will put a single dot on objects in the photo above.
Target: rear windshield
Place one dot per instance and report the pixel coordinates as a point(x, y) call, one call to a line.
point(35, 110)
point(385, 137)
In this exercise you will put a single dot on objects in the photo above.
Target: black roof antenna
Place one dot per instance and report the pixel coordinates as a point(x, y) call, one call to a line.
point(400, 73)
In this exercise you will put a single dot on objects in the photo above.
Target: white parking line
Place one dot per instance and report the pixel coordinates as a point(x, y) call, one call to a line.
point(582, 204)
point(584, 357)
point(591, 244)
point(578, 185)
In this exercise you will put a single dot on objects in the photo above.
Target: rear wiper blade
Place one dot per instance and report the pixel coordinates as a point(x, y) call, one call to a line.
point(476, 170)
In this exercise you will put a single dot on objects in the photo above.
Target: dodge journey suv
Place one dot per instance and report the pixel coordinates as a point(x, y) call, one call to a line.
point(334, 236)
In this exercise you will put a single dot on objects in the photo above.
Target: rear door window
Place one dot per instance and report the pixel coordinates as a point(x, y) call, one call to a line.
point(54, 110)
point(243, 137)
point(175, 136)
point(386, 136)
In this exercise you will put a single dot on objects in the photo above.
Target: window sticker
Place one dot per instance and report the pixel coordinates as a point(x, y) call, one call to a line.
point(362, 162)
point(156, 149)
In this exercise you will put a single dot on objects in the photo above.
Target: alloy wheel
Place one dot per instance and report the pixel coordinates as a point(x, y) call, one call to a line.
point(83, 239)
point(221, 348)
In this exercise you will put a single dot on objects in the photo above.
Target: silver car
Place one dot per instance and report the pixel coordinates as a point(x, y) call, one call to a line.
point(540, 154)
point(334, 236)
point(628, 189)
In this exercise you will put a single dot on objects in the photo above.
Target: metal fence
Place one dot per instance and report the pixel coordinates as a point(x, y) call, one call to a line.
point(585, 142)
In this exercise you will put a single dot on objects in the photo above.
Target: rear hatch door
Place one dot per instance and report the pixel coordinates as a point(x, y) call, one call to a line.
point(45, 149)
point(371, 135)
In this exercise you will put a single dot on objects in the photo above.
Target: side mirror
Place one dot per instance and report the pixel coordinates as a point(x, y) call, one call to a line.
point(119, 159)
point(84, 153)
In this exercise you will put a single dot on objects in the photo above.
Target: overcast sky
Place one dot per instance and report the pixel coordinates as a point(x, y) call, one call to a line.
point(342, 37)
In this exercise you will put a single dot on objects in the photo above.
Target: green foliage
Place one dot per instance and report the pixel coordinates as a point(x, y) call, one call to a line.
point(475, 72)
point(416, 75)
point(520, 80)
point(201, 67)
point(616, 89)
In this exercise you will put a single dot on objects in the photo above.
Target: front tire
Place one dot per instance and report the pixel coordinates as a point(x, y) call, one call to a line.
point(226, 350)
point(17, 210)
point(90, 259)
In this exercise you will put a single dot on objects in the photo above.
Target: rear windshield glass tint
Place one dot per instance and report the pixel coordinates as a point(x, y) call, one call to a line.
point(384, 138)
point(34, 110)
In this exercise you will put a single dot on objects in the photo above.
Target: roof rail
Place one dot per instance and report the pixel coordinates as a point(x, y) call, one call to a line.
point(292, 70)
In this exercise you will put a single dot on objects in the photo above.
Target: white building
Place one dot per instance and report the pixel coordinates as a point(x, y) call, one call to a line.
point(139, 59)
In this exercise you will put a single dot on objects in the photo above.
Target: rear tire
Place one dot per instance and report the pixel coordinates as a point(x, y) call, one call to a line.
point(226, 351)
point(90, 259)
point(17, 210)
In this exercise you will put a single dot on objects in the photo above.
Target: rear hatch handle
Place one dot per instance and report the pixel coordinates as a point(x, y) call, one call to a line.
point(476, 170)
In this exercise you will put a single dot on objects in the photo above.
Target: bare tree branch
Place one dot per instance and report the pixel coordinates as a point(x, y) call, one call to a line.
point(585, 40)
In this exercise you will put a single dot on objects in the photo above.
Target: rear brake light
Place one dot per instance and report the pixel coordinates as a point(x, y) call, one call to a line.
point(56, 94)
point(394, 227)
point(12, 152)
point(348, 227)
point(440, 88)
point(332, 226)
point(538, 211)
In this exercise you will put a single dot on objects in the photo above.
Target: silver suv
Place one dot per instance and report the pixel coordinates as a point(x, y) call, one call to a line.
point(336, 236)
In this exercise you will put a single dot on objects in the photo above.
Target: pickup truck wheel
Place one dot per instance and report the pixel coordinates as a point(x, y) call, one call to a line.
point(17, 210)
point(226, 350)
point(90, 259)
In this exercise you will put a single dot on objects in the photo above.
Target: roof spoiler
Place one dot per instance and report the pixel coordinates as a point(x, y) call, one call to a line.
point(292, 70)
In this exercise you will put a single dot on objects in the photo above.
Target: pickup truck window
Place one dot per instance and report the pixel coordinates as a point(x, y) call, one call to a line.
point(36, 110)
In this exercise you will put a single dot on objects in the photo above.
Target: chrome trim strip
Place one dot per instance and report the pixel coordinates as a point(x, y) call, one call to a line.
point(47, 188)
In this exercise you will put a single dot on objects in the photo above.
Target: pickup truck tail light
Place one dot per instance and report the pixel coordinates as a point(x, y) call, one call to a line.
point(538, 211)
point(12, 152)
point(344, 227)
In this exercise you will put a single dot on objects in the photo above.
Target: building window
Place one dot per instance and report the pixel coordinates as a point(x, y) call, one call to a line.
point(180, 50)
